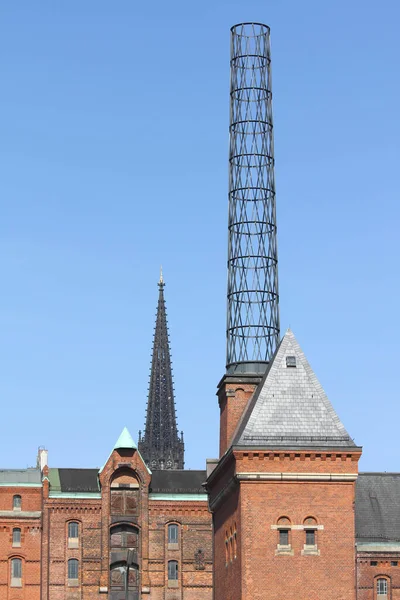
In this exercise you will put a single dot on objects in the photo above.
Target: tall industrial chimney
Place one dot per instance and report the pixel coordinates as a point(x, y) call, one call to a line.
point(253, 298)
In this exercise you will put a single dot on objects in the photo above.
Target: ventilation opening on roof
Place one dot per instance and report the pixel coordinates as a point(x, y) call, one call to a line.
point(290, 361)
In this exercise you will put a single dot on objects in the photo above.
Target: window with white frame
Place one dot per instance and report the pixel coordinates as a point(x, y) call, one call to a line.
point(381, 587)
point(16, 572)
point(16, 536)
point(17, 502)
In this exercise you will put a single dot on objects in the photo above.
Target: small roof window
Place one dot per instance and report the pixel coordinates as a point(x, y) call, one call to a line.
point(291, 361)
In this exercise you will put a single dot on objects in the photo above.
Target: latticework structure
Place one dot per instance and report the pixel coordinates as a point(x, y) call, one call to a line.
point(161, 446)
point(253, 310)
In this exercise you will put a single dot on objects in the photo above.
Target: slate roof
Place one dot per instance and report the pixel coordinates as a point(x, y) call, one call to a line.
point(378, 507)
point(289, 407)
point(178, 482)
point(168, 481)
point(20, 476)
point(78, 480)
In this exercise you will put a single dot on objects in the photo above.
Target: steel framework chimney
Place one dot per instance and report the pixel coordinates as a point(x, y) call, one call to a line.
point(253, 298)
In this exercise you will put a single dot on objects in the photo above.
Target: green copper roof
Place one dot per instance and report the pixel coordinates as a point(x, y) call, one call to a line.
point(125, 440)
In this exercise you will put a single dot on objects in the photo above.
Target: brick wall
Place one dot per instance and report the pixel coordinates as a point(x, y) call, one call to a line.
point(29, 550)
point(368, 573)
point(233, 395)
point(255, 497)
point(194, 534)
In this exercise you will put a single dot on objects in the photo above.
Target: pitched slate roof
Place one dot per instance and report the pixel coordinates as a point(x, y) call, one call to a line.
point(377, 507)
point(289, 407)
point(78, 480)
point(178, 482)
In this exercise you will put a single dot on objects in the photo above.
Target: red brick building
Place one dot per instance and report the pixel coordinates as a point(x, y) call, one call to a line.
point(286, 514)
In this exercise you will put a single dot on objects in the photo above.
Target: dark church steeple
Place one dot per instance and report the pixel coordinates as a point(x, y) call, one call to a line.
point(160, 446)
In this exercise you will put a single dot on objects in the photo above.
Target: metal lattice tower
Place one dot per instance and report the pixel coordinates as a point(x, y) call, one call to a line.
point(161, 446)
point(253, 299)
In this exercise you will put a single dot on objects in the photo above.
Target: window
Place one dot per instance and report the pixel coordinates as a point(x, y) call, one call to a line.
point(284, 537)
point(118, 576)
point(172, 570)
point(310, 537)
point(73, 570)
point(373, 563)
point(394, 563)
point(16, 537)
point(172, 533)
point(17, 502)
point(381, 587)
point(73, 535)
point(72, 530)
point(16, 572)
point(290, 361)
point(124, 536)
point(124, 502)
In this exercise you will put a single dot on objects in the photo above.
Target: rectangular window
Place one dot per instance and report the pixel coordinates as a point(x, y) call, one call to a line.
point(73, 568)
point(73, 535)
point(284, 537)
point(381, 587)
point(16, 537)
point(172, 534)
point(310, 537)
point(373, 563)
point(172, 570)
point(394, 563)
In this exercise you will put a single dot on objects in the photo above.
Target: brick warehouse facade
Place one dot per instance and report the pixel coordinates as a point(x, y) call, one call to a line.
point(293, 522)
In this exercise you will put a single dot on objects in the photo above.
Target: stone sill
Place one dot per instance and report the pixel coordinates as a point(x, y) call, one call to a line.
point(172, 583)
point(310, 551)
point(284, 550)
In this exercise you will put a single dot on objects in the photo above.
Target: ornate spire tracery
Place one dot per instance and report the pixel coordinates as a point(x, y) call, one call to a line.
point(160, 446)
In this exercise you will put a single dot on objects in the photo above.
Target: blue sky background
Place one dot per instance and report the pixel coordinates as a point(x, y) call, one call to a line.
point(113, 159)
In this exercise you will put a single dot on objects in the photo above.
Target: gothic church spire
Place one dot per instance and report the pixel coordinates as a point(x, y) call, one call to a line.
point(161, 446)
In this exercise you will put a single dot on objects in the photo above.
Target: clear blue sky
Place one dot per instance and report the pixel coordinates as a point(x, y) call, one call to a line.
point(113, 159)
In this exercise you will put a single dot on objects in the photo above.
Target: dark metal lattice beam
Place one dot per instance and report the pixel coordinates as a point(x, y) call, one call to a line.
point(253, 297)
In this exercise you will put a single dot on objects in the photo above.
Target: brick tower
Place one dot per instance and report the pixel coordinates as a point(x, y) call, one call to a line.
point(161, 446)
point(282, 493)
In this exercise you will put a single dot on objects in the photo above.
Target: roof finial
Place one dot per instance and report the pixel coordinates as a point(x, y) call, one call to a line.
point(161, 281)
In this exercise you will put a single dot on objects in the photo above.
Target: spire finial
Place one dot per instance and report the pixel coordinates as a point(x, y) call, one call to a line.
point(161, 281)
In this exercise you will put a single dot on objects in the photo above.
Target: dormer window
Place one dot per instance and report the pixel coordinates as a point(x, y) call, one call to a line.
point(291, 361)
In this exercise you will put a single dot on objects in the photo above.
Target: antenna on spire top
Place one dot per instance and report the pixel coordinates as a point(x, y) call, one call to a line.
point(161, 281)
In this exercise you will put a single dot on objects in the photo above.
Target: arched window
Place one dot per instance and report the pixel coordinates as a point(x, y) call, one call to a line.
point(172, 534)
point(17, 502)
point(125, 493)
point(284, 526)
point(118, 575)
point(16, 572)
point(382, 588)
point(16, 537)
point(173, 573)
point(73, 534)
point(124, 536)
point(310, 528)
point(73, 571)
